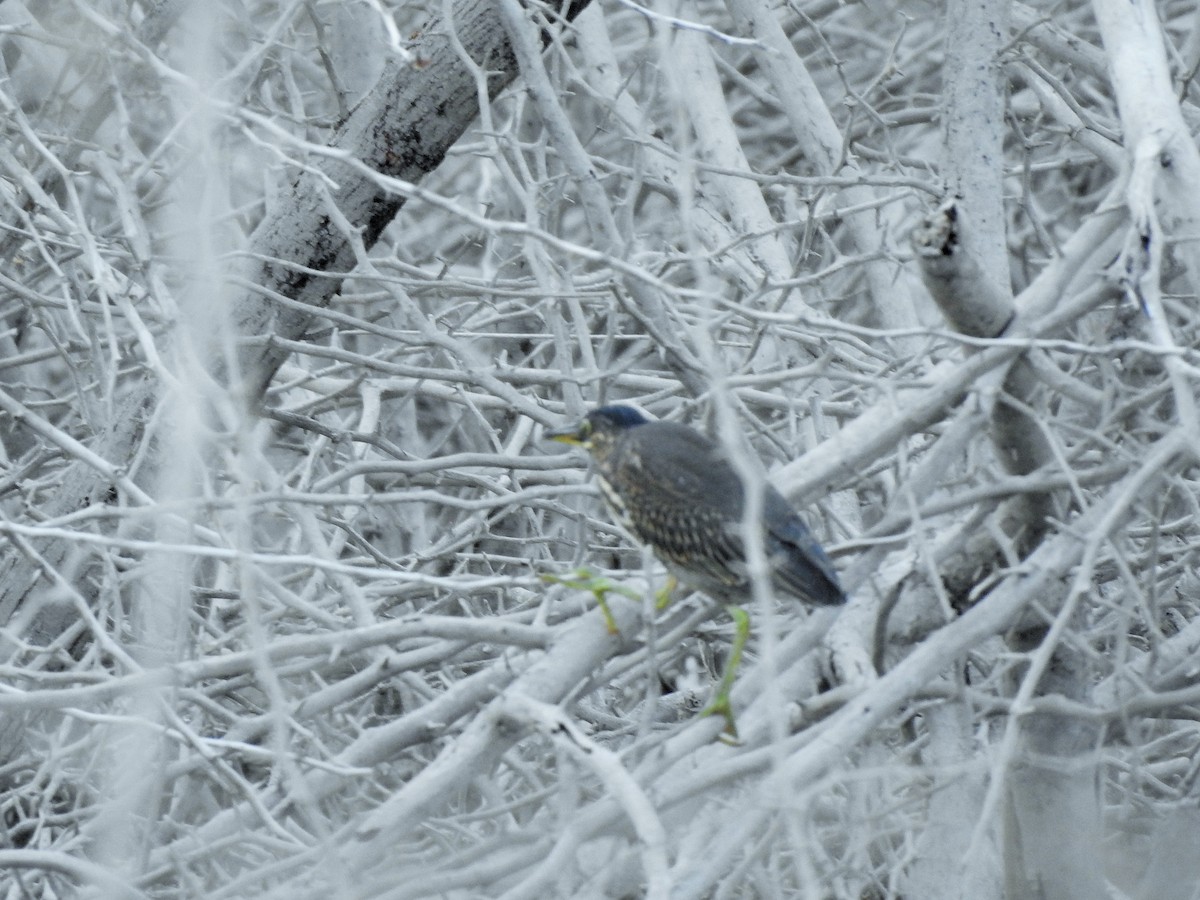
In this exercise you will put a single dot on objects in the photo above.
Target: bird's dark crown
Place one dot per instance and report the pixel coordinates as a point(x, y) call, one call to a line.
point(599, 427)
point(615, 418)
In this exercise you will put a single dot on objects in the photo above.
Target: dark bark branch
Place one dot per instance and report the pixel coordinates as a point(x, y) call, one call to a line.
point(402, 129)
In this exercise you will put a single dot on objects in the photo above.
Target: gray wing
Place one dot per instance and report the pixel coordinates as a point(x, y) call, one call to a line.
point(803, 569)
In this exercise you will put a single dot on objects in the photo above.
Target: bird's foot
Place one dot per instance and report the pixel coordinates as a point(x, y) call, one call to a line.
point(720, 707)
point(720, 704)
point(600, 586)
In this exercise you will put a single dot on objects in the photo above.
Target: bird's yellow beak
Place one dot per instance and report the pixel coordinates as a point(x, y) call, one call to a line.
point(573, 434)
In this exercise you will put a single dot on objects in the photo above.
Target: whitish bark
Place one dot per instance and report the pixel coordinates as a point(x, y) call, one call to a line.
point(978, 306)
point(358, 47)
point(824, 148)
point(318, 227)
point(711, 227)
point(1156, 136)
point(1053, 830)
point(876, 430)
point(365, 626)
point(941, 866)
point(1166, 172)
point(325, 218)
point(316, 232)
point(1053, 561)
point(1052, 819)
point(1046, 848)
point(1042, 847)
point(645, 302)
point(953, 265)
point(974, 96)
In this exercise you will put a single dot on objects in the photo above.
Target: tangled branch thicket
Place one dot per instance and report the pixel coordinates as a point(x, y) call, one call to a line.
point(335, 643)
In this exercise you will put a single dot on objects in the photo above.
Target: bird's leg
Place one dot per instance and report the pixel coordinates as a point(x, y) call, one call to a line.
point(663, 597)
point(720, 702)
point(609, 622)
point(600, 586)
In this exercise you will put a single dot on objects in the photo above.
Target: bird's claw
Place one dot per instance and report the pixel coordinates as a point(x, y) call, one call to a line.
point(600, 586)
